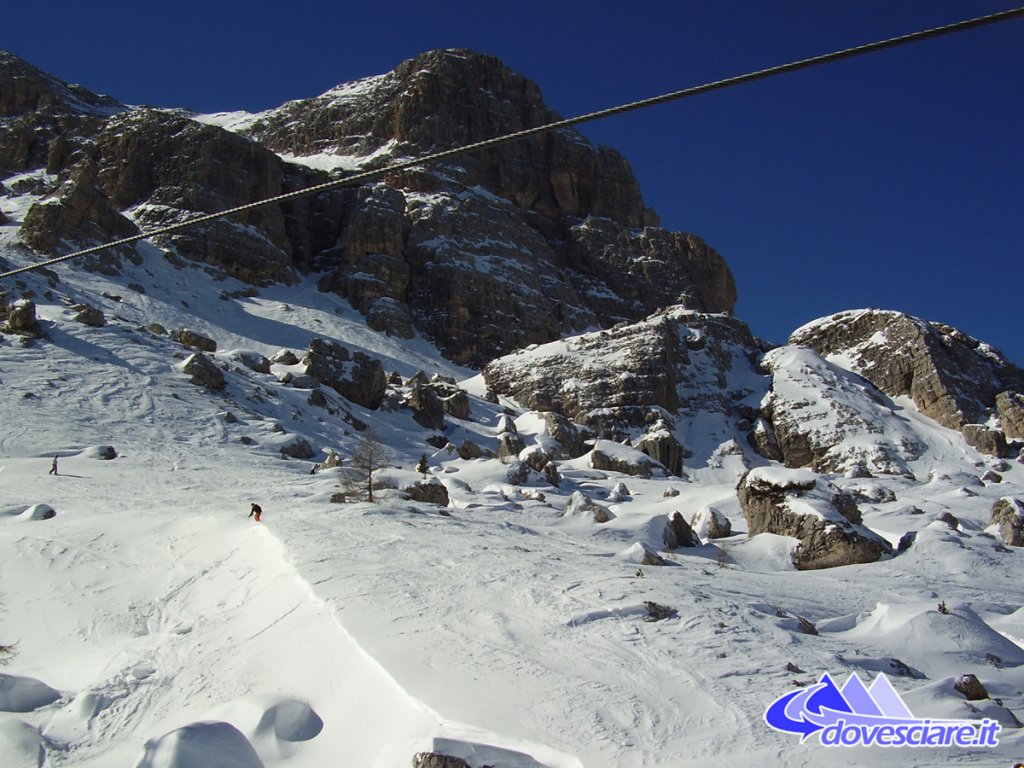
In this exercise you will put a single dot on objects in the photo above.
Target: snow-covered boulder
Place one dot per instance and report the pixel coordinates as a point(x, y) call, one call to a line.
point(101, 452)
point(469, 450)
point(710, 523)
point(356, 376)
point(429, 492)
point(535, 456)
point(799, 503)
point(284, 357)
point(254, 361)
point(679, 533)
point(568, 442)
point(615, 457)
point(1008, 516)
point(510, 445)
point(203, 372)
point(298, 448)
point(581, 505)
point(21, 318)
point(619, 493)
point(661, 445)
point(87, 314)
point(194, 339)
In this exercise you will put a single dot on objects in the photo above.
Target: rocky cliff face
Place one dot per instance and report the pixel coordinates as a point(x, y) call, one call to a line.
point(677, 382)
point(951, 377)
point(45, 122)
point(499, 249)
point(820, 415)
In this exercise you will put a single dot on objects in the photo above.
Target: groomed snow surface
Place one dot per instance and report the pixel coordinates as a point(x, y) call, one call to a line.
point(156, 626)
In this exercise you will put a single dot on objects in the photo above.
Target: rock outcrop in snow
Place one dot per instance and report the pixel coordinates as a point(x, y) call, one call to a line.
point(822, 416)
point(1008, 517)
point(808, 507)
point(951, 377)
point(641, 380)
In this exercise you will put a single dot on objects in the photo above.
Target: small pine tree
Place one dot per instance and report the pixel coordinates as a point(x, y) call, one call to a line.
point(423, 468)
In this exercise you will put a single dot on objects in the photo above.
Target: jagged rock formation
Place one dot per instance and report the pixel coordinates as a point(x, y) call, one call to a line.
point(953, 378)
point(640, 380)
point(45, 122)
point(821, 416)
point(801, 504)
point(517, 245)
point(356, 376)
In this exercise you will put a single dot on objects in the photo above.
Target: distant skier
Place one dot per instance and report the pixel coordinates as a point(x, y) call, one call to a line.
point(256, 511)
point(53, 467)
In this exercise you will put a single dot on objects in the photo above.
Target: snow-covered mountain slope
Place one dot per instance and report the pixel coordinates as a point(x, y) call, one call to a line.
point(171, 631)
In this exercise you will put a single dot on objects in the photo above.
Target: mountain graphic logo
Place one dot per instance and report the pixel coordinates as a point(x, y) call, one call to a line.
point(857, 715)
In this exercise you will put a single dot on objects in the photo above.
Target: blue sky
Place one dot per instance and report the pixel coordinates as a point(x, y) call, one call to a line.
point(894, 180)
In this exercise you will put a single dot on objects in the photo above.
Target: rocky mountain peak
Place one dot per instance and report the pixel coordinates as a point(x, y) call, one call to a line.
point(448, 98)
point(25, 88)
point(491, 252)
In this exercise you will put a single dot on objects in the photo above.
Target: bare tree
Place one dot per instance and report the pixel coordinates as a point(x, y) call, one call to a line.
point(368, 456)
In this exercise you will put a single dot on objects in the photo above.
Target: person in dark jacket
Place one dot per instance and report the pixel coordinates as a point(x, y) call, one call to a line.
point(53, 467)
point(256, 511)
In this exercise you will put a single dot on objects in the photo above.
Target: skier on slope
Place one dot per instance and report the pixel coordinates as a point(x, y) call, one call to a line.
point(256, 511)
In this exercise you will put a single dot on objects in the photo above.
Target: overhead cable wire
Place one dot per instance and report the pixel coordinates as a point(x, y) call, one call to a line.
point(717, 85)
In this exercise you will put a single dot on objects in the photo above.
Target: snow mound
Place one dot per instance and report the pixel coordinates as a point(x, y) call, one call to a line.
point(24, 694)
point(21, 746)
point(38, 512)
point(764, 553)
point(201, 745)
point(26, 513)
point(101, 452)
point(940, 643)
point(291, 720)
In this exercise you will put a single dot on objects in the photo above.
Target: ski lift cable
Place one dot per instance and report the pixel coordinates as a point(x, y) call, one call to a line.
point(403, 165)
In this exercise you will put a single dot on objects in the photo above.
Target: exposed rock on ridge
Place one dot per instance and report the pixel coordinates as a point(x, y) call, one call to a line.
point(821, 416)
point(953, 378)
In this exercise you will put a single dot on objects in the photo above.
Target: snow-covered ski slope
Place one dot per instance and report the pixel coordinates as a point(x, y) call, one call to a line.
point(167, 630)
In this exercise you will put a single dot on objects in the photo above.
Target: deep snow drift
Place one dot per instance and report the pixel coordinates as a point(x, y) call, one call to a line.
point(156, 626)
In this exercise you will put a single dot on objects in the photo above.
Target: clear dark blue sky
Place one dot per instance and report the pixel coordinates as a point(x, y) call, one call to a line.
point(892, 181)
